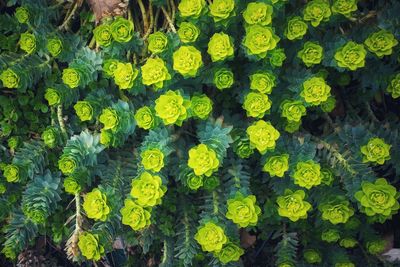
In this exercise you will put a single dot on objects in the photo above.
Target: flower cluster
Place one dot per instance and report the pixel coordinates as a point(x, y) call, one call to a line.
point(120, 30)
point(243, 210)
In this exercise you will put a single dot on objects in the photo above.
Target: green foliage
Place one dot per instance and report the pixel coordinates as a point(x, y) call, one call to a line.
point(174, 132)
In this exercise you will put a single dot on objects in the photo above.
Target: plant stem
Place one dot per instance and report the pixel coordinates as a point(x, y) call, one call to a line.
point(170, 22)
point(151, 22)
point(69, 16)
point(144, 16)
point(61, 121)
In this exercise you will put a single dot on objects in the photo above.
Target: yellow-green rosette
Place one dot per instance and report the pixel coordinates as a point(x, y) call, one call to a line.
point(256, 104)
point(348, 242)
point(292, 205)
point(330, 236)
point(262, 135)
point(187, 61)
point(158, 42)
point(211, 237)
point(344, 7)
point(315, 91)
point(376, 151)
point(152, 159)
point(379, 198)
point(3, 188)
point(148, 190)
point(9, 78)
point(351, 56)
point(296, 28)
point(194, 181)
point(95, 205)
point(52, 96)
point(191, 8)
point(109, 118)
point(12, 173)
point(223, 78)
point(311, 54)
point(336, 211)
point(144, 117)
point(125, 75)
point(328, 105)
point(71, 185)
point(263, 82)
point(27, 42)
point(277, 165)
point(122, 30)
point(307, 174)
point(394, 86)
point(54, 46)
point(242, 210)
point(102, 35)
point(376, 247)
point(134, 215)
point(71, 77)
point(22, 14)
point(293, 110)
point(259, 40)
point(344, 264)
point(67, 164)
point(155, 72)
point(327, 176)
point(312, 256)
point(201, 106)
point(188, 32)
point(258, 13)
point(170, 107)
point(203, 160)
point(49, 137)
point(317, 11)
point(222, 9)
point(220, 47)
point(90, 247)
point(381, 43)
point(230, 252)
point(84, 110)
point(106, 137)
point(276, 57)
point(109, 67)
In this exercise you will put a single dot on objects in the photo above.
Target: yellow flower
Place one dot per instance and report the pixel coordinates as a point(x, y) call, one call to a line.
point(317, 11)
point(311, 54)
point(220, 47)
point(71, 77)
point(262, 136)
point(292, 205)
point(95, 205)
point(381, 43)
point(89, 246)
point(351, 56)
point(296, 28)
point(376, 150)
point(187, 61)
point(315, 91)
point(203, 160)
point(134, 215)
point(109, 118)
point(148, 190)
point(145, 118)
point(256, 104)
point(125, 75)
point(122, 30)
point(293, 110)
point(243, 210)
point(158, 42)
point(277, 165)
point(258, 13)
point(201, 106)
point(188, 32)
point(170, 108)
point(152, 159)
point(259, 40)
point(102, 35)
point(263, 82)
point(155, 72)
point(27, 42)
point(307, 174)
point(222, 9)
point(211, 237)
point(191, 8)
